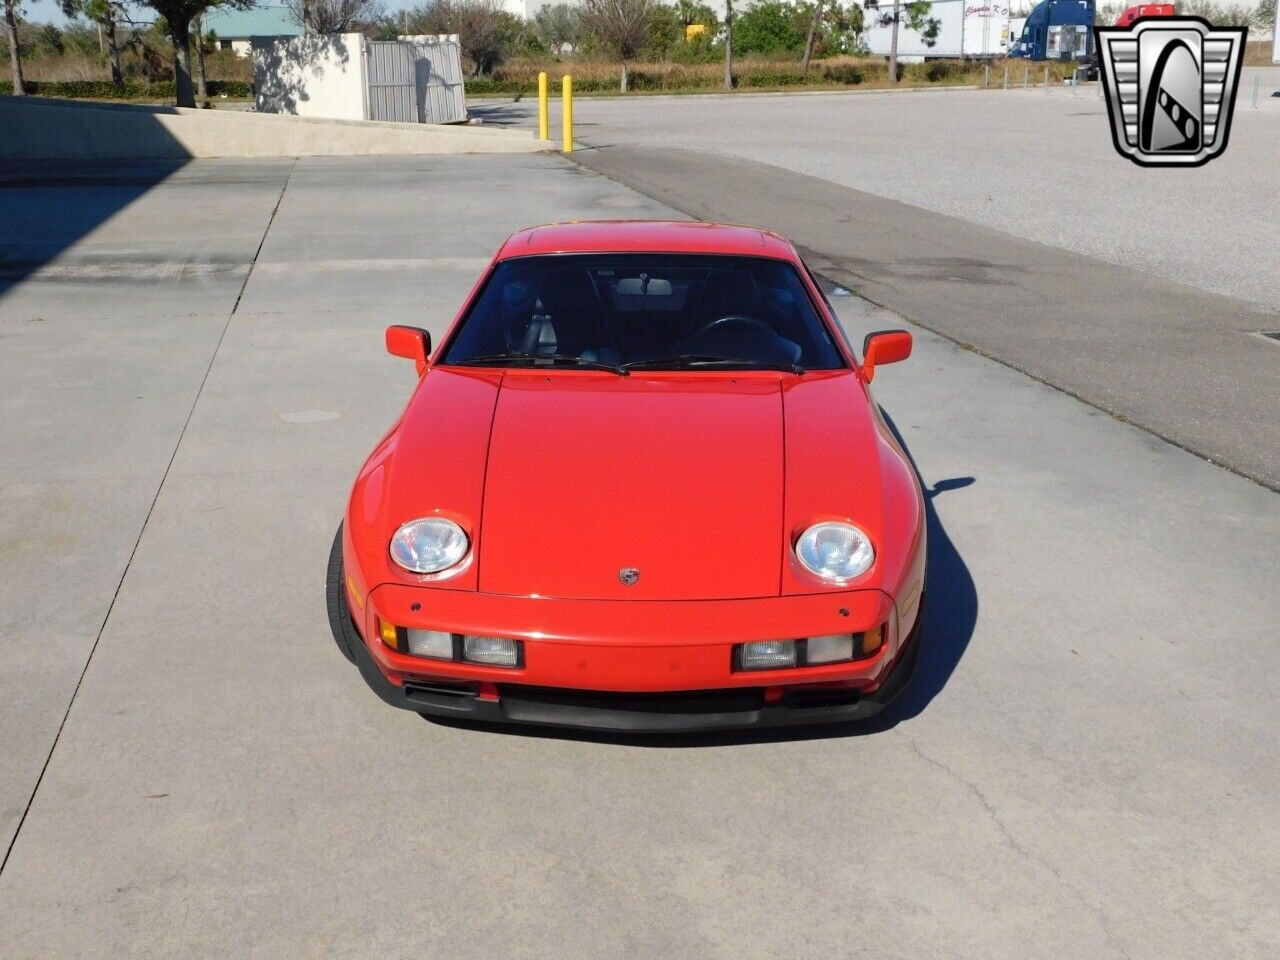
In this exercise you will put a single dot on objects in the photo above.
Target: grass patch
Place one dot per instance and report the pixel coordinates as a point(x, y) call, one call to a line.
point(520, 77)
point(130, 90)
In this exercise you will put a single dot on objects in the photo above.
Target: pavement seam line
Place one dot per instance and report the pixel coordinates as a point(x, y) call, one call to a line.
point(263, 239)
point(57, 737)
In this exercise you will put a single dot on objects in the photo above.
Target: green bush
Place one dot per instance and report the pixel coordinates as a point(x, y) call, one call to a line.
point(497, 86)
point(936, 71)
point(769, 27)
point(749, 77)
point(848, 73)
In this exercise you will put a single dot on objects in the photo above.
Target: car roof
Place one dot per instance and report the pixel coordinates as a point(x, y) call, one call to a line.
point(638, 236)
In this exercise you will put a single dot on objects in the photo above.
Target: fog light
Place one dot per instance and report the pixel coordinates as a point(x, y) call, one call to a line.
point(767, 655)
point(829, 649)
point(495, 651)
point(430, 643)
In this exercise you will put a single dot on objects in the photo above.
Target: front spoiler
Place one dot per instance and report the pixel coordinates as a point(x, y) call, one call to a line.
point(732, 709)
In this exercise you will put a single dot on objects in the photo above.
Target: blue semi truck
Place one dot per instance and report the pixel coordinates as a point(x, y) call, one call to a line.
point(1058, 30)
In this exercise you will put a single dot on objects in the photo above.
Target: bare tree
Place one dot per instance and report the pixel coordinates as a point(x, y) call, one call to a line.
point(11, 13)
point(484, 29)
point(622, 25)
point(558, 26)
point(333, 16)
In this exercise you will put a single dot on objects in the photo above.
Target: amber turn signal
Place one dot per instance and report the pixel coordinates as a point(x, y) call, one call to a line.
point(389, 633)
point(872, 640)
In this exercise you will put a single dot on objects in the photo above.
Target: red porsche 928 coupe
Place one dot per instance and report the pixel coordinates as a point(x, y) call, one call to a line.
point(641, 485)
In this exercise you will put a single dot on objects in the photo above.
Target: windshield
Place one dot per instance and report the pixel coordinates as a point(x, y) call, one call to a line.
point(659, 311)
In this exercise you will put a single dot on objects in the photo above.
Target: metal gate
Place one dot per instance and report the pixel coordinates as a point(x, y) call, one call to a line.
point(390, 72)
point(439, 73)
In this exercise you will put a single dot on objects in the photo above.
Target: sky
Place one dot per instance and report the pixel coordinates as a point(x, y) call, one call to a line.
point(48, 11)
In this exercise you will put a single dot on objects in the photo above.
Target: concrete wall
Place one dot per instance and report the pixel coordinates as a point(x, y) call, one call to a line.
point(40, 128)
point(312, 76)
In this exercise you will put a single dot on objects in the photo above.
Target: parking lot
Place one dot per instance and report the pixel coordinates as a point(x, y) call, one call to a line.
point(1037, 165)
point(192, 372)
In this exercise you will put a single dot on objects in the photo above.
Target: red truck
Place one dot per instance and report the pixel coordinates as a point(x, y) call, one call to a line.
point(1145, 10)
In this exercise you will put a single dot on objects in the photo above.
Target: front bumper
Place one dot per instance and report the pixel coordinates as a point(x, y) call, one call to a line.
point(608, 684)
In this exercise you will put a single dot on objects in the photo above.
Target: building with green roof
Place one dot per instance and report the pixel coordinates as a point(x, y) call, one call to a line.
point(242, 30)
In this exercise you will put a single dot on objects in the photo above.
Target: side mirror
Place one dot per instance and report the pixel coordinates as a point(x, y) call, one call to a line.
point(412, 343)
point(884, 346)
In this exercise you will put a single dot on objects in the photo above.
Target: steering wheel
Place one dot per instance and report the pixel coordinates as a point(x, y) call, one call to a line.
point(736, 320)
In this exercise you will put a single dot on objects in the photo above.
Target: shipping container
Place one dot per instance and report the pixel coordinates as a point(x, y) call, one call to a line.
point(966, 28)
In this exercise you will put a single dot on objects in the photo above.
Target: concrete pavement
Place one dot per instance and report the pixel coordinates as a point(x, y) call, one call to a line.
point(1084, 769)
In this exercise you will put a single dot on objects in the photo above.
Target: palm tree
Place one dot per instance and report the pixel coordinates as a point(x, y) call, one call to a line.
point(106, 14)
point(15, 55)
point(728, 44)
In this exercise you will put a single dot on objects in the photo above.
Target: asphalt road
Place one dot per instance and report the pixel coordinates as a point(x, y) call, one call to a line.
point(1086, 767)
point(1188, 365)
point(1033, 164)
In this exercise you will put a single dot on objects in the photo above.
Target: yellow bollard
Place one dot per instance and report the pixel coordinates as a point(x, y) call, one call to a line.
point(544, 125)
point(566, 93)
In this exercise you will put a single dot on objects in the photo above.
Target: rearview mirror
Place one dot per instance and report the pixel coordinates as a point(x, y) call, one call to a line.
point(884, 346)
point(412, 343)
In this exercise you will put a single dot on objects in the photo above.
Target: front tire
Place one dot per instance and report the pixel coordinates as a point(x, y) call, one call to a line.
point(335, 594)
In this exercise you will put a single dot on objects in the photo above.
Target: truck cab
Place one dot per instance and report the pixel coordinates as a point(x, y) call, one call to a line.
point(1145, 10)
point(1057, 30)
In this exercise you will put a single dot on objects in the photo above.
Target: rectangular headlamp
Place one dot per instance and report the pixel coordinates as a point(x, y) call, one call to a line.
point(430, 643)
point(493, 651)
point(455, 647)
point(766, 655)
point(809, 652)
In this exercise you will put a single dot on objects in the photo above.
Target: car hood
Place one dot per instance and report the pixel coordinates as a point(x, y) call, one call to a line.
point(648, 487)
point(676, 479)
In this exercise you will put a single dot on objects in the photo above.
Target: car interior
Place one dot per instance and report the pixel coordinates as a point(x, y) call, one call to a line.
point(626, 309)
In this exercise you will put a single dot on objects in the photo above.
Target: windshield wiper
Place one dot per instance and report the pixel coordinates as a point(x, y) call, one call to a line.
point(493, 359)
point(705, 360)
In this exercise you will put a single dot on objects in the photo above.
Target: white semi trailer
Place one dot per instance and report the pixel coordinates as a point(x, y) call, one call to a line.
point(966, 28)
